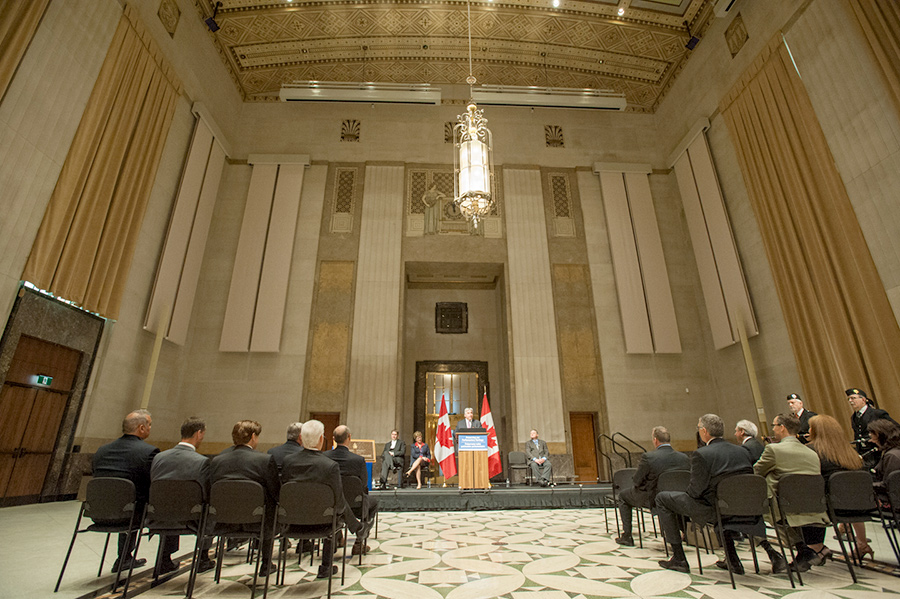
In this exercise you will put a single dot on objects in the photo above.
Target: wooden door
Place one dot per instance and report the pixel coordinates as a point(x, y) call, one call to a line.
point(331, 420)
point(584, 446)
point(31, 413)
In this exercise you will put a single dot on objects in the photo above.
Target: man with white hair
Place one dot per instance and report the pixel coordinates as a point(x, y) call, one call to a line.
point(795, 403)
point(745, 432)
point(312, 466)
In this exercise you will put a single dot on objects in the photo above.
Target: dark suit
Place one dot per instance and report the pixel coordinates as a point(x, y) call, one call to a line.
point(312, 466)
point(180, 463)
point(709, 464)
point(754, 448)
point(461, 425)
point(387, 460)
point(284, 450)
point(241, 462)
point(860, 424)
point(127, 457)
point(643, 493)
point(351, 464)
point(541, 472)
point(804, 417)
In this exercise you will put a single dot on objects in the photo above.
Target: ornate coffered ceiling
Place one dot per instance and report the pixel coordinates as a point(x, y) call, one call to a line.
point(514, 42)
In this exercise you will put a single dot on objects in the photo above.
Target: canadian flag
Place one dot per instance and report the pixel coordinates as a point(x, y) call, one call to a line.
point(494, 465)
point(443, 444)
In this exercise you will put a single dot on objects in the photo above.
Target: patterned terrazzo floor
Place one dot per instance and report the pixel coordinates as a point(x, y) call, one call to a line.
point(559, 554)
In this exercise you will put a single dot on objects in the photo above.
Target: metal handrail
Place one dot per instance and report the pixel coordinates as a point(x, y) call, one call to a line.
point(600, 438)
point(630, 440)
point(626, 457)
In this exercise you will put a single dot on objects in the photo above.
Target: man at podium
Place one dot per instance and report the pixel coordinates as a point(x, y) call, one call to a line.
point(469, 422)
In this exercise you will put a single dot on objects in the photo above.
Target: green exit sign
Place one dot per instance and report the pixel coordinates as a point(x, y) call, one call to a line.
point(43, 379)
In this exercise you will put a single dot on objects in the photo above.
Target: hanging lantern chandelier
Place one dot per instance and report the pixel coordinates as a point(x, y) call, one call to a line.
point(473, 160)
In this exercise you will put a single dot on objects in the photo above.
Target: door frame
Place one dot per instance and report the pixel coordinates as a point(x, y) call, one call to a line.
point(445, 367)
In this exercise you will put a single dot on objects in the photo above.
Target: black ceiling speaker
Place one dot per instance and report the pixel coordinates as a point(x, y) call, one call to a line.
point(211, 21)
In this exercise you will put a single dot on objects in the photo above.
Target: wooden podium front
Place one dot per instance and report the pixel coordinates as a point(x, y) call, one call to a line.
point(472, 459)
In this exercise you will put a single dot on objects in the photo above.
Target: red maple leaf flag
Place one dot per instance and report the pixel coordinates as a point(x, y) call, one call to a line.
point(494, 465)
point(443, 444)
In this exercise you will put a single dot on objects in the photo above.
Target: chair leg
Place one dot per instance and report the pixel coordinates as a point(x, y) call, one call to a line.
point(376, 525)
point(752, 540)
point(103, 556)
point(344, 560)
point(697, 533)
point(220, 556)
point(69, 552)
point(848, 559)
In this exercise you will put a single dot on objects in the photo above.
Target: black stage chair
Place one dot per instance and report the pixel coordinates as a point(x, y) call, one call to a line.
point(741, 502)
point(622, 479)
point(850, 498)
point(516, 460)
point(354, 493)
point(671, 480)
point(236, 509)
point(797, 494)
point(176, 507)
point(307, 511)
point(110, 504)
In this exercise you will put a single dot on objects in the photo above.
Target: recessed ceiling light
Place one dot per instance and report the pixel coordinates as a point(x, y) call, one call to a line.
point(555, 3)
point(621, 11)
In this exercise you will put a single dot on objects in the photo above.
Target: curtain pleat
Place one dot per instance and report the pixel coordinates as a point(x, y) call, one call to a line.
point(841, 325)
point(86, 242)
point(19, 19)
point(880, 21)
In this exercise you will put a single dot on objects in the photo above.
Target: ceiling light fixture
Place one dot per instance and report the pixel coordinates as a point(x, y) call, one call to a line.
point(473, 160)
point(621, 11)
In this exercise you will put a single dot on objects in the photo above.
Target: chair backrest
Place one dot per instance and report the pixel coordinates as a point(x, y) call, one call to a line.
point(354, 491)
point(892, 484)
point(673, 480)
point(623, 479)
point(237, 502)
point(109, 499)
point(801, 494)
point(851, 490)
point(173, 501)
point(742, 495)
point(516, 459)
point(306, 504)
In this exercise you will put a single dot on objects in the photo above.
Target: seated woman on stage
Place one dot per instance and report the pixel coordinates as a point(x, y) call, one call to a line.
point(420, 455)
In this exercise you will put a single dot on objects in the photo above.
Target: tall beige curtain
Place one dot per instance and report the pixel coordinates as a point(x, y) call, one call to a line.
point(19, 19)
point(880, 21)
point(842, 329)
point(86, 241)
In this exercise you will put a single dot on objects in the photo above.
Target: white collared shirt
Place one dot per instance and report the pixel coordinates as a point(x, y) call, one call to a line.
point(186, 444)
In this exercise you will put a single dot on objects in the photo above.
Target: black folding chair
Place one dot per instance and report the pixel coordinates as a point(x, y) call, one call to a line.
point(741, 502)
point(889, 509)
point(850, 498)
point(176, 507)
point(516, 461)
point(671, 480)
point(797, 494)
point(622, 479)
point(110, 503)
point(236, 509)
point(354, 493)
point(307, 511)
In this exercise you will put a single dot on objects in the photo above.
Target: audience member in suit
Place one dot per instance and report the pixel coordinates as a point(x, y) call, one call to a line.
point(243, 462)
point(539, 456)
point(710, 464)
point(291, 446)
point(354, 465)
point(312, 466)
point(745, 432)
point(829, 441)
point(796, 406)
point(182, 462)
point(392, 456)
point(129, 457)
point(788, 456)
point(419, 456)
point(652, 464)
point(865, 412)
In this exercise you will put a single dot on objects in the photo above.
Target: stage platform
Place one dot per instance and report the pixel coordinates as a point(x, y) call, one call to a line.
point(518, 497)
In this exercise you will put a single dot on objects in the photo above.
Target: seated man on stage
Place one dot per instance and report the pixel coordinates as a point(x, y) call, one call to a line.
point(392, 456)
point(643, 493)
point(539, 457)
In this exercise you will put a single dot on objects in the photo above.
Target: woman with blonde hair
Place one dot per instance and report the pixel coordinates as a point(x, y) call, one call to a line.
point(828, 440)
point(420, 455)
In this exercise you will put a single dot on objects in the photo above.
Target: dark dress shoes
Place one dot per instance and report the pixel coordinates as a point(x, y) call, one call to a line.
point(625, 540)
point(675, 564)
point(126, 565)
point(323, 571)
point(737, 568)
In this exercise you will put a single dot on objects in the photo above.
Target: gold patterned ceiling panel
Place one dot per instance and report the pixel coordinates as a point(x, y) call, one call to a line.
point(266, 43)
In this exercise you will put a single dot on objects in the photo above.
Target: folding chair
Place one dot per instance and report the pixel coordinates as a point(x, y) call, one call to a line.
point(889, 510)
point(671, 480)
point(797, 494)
point(517, 461)
point(176, 507)
point(110, 504)
point(307, 511)
point(236, 508)
point(850, 498)
point(742, 500)
point(356, 499)
point(622, 479)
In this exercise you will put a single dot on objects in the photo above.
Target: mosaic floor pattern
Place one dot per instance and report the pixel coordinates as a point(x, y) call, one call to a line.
point(560, 554)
